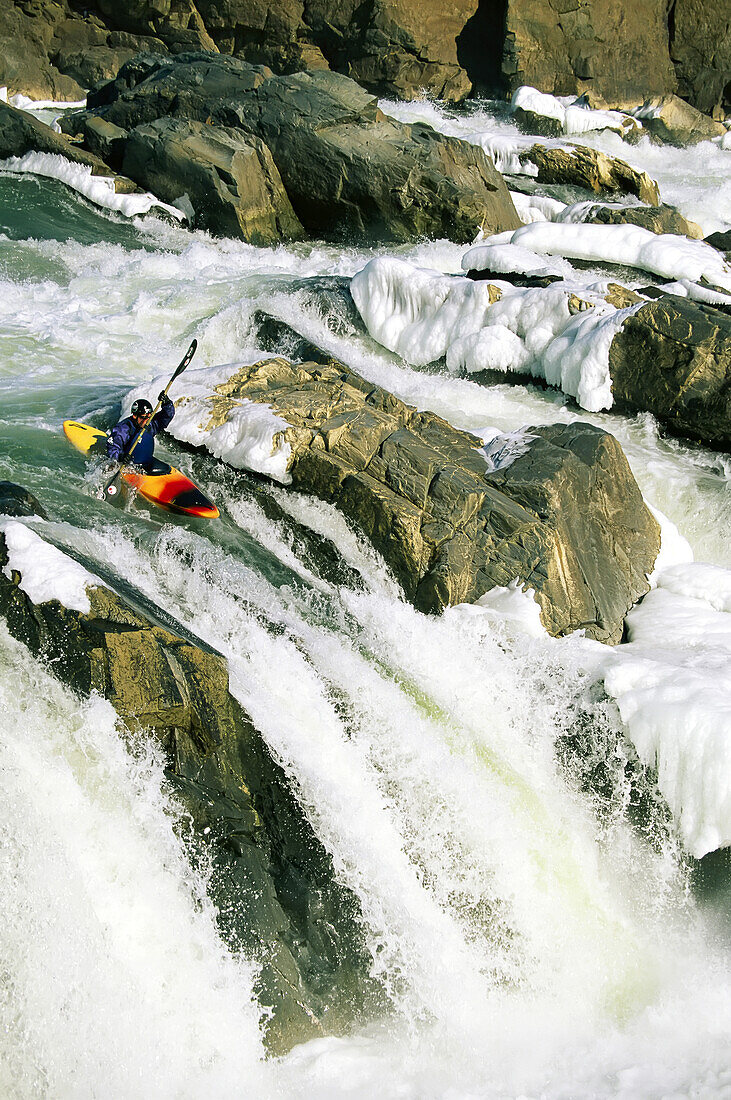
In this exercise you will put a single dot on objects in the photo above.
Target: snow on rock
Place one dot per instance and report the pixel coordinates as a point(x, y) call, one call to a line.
point(573, 116)
point(243, 433)
point(97, 189)
point(423, 315)
point(672, 684)
point(45, 572)
point(667, 255)
point(500, 449)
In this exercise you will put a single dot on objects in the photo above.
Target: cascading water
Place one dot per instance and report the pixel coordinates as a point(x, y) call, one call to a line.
point(530, 938)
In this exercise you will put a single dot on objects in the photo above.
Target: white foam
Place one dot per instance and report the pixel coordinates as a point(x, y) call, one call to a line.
point(537, 208)
point(23, 103)
point(97, 189)
point(248, 439)
point(45, 572)
point(674, 549)
point(512, 607)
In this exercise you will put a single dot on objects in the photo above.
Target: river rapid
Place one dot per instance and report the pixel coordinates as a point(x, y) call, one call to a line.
point(538, 930)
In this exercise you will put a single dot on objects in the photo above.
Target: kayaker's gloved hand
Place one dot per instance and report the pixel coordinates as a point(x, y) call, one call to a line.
point(163, 398)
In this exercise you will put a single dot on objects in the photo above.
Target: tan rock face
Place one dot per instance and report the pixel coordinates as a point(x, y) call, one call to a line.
point(592, 169)
point(229, 178)
point(615, 52)
point(566, 516)
point(574, 46)
point(678, 123)
point(238, 799)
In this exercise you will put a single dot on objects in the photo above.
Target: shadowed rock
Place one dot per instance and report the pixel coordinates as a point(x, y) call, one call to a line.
point(17, 501)
point(673, 358)
point(21, 133)
point(349, 171)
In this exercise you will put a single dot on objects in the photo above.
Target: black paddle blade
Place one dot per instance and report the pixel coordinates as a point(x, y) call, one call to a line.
point(185, 360)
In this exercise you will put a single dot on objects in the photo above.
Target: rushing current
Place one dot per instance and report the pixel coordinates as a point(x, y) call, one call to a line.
point(538, 931)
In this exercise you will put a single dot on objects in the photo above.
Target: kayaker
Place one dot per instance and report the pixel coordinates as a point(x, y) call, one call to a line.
point(123, 434)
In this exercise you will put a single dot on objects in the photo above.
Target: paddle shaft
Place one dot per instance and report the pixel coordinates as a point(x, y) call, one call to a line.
point(110, 487)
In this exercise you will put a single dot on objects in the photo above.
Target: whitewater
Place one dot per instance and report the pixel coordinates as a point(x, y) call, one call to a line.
point(542, 922)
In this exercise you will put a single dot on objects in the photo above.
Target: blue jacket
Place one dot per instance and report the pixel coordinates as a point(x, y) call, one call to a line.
point(122, 436)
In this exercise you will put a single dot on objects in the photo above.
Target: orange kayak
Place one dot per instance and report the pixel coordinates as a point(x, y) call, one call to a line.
point(170, 490)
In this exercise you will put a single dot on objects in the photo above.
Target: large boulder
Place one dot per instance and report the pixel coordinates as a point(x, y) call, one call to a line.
point(272, 883)
point(672, 120)
point(673, 358)
point(565, 516)
point(226, 179)
point(21, 133)
point(189, 86)
point(591, 169)
point(348, 170)
point(17, 501)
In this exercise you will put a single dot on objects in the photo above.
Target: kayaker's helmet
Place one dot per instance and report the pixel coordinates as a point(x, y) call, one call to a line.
point(141, 407)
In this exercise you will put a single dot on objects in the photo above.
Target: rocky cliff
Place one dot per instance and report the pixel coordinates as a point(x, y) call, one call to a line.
point(613, 52)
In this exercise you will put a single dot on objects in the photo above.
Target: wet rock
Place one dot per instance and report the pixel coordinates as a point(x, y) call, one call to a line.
point(566, 516)
point(721, 241)
point(21, 133)
point(104, 140)
point(17, 501)
point(189, 86)
point(588, 168)
point(673, 359)
point(672, 120)
point(327, 300)
point(349, 171)
point(227, 179)
point(272, 882)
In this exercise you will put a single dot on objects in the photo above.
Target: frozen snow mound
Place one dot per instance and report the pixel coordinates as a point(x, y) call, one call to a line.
point(672, 684)
point(548, 333)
